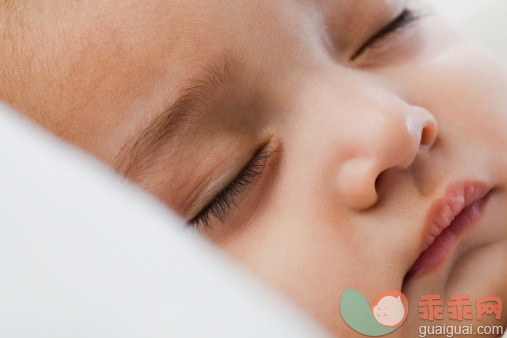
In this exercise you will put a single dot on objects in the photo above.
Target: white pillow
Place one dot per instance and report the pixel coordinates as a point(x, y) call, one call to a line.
point(483, 20)
point(84, 256)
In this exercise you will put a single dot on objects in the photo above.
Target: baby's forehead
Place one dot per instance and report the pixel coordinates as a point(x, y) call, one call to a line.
point(220, 20)
point(126, 63)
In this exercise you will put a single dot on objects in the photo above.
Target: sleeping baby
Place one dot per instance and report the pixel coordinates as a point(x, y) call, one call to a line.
point(326, 145)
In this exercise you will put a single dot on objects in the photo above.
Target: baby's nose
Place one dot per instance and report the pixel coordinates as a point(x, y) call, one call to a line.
point(392, 142)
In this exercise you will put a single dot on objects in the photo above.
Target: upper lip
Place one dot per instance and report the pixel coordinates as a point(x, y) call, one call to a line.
point(442, 212)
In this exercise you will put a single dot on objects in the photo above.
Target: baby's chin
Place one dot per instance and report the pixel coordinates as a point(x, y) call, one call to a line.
point(481, 271)
point(478, 273)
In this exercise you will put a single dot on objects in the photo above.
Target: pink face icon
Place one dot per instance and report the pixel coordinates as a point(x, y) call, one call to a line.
point(390, 308)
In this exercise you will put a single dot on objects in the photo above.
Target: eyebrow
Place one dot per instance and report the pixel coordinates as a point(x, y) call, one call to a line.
point(140, 151)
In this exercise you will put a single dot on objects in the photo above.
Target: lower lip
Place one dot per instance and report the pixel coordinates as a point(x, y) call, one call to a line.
point(444, 243)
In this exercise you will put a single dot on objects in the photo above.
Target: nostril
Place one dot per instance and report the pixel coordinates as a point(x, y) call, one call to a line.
point(380, 186)
point(427, 136)
point(377, 183)
point(429, 132)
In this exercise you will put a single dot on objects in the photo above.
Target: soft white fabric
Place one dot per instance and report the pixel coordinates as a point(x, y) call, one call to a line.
point(483, 20)
point(82, 255)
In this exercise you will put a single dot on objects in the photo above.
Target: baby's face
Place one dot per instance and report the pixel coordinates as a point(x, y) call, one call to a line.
point(307, 139)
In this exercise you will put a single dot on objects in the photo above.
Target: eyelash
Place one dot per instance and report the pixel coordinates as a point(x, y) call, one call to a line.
point(406, 18)
point(220, 205)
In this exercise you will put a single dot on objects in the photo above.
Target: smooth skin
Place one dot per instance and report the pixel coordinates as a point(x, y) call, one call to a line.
point(358, 146)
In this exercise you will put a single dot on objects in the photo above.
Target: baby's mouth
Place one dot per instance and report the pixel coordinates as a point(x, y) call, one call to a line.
point(447, 221)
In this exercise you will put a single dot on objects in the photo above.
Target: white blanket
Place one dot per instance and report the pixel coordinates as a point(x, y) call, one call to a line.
point(83, 256)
